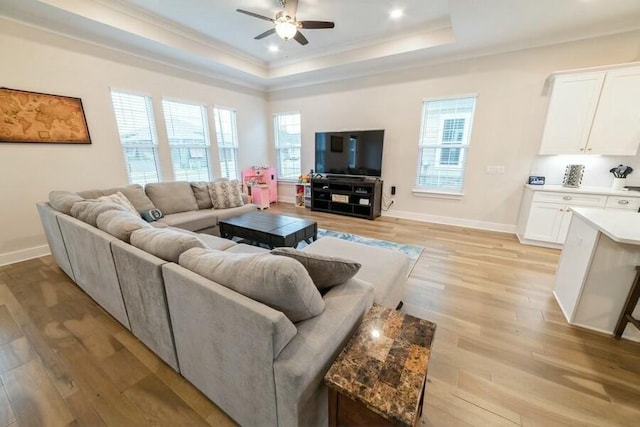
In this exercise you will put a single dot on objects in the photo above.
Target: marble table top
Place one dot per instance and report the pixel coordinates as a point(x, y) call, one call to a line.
point(384, 364)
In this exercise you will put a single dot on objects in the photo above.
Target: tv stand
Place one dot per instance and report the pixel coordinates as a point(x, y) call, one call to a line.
point(345, 177)
point(360, 197)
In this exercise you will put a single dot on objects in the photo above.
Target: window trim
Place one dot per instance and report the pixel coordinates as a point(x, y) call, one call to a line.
point(435, 192)
point(235, 138)
point(153, 128)
point(276, 148)
point(205, 126)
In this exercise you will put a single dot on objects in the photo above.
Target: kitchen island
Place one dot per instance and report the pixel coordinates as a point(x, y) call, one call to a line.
point(597, 268)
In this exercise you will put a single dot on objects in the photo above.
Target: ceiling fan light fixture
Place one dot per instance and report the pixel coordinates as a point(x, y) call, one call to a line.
point(286, 30)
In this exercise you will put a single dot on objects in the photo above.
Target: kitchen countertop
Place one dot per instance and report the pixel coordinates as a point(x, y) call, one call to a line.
point(584, 190)
point(620, 225)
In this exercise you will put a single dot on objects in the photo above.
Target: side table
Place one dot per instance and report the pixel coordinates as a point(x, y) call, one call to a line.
point(379, 378)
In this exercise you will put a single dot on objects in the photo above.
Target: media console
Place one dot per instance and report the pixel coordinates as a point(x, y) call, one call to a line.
point(347, 196)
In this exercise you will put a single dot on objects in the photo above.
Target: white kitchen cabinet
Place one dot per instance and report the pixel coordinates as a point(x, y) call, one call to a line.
point(626, 203)
point(545, 216)
point(545, 221)
point(594, 113)
point(545, 212)
point(616, 125)
point(574, 99)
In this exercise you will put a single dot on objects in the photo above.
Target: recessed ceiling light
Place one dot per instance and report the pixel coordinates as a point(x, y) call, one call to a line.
point(273, 48)
point(396, 13)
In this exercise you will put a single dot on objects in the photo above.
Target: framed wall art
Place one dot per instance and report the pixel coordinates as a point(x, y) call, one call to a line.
point(31, 117)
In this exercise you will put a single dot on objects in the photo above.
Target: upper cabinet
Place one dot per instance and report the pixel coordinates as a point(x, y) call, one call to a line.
point(594, 113)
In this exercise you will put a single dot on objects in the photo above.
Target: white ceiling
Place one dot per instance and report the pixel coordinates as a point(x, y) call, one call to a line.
point(209, 37)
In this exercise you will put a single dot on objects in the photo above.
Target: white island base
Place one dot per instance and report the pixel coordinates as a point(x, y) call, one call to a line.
point(597, 268)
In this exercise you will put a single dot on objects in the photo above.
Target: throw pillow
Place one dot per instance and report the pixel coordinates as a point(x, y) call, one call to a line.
point(120, 224)
point(152, 215)
point(225, 194)
point(279, 282)
point(172, 197)
point(119, 199)
point(165, 243)
point(63, 201)
point(201, 192)
point(89, 210)
point(325, 271)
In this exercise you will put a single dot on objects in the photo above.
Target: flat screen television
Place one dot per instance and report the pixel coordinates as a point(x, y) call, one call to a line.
point(350, 153)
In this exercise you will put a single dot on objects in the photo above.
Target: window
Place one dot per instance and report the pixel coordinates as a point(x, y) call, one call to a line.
point(287, 137)
point(227, 136)
point(188, 140)
point(134, 117)
point(444, 141)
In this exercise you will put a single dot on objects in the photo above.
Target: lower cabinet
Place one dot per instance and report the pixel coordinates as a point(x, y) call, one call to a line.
point(545, 216)
point(548, 222)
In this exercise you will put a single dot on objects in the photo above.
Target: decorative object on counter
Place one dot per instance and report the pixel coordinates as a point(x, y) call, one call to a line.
point(620, 174)
point(536, 180)
point(573, 176)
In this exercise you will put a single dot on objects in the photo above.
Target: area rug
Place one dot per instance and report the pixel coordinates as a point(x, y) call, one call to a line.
point(412, 251)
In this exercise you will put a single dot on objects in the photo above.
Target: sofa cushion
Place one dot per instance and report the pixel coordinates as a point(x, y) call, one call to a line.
point(192, 220)
point(172, 197)
point(386, 269)
point(279, 282)
point(63, 201)
point(165, 243)
point(201, 193)
point(88, 210)
point(325, 271)
point(133, 192)
point(136, 195)
point(119, 199)
point(225, 194)
point(120, 224)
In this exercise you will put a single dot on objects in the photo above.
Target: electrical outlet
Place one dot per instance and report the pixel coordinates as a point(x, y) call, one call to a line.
point(495, 170)
point(393, 190)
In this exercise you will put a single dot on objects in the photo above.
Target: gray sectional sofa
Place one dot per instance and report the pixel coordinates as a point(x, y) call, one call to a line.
point(250, 359)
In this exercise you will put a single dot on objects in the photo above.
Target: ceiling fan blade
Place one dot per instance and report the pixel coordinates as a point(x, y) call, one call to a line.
point(315, 25)
point(291, 7)
point(255, 15)
point(300, 38)
point(265, 34)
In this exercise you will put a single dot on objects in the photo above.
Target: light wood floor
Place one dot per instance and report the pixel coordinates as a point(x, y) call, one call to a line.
point(503, 354)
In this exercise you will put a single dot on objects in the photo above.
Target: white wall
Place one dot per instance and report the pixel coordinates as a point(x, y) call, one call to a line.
point(40, 62)
point(510, 113)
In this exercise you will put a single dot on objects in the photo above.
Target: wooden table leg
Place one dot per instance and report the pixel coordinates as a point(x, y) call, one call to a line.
point(333, 408)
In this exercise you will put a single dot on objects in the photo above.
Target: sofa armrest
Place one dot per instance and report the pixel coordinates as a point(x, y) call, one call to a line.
point(300, 368)
point(226, 344)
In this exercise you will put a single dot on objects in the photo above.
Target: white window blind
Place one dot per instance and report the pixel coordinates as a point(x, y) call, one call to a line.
point(188, 140)
point(134, 117)
point(288, 141)
point(444, 142)
point(227, 136)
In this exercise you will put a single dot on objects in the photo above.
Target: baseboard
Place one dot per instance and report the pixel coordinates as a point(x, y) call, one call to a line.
point(24, 254)
point(461, 222)
point(285, 199)
point(539, 243)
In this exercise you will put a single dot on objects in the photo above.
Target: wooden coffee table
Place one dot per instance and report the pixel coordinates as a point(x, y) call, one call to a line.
point(269, 229)
point(379, 377)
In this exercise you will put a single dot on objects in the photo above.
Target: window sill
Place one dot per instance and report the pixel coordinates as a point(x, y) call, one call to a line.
point(421, 192)
point(288, 181)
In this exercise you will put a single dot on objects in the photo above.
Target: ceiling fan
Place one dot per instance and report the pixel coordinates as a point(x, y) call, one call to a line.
point(286, 25)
